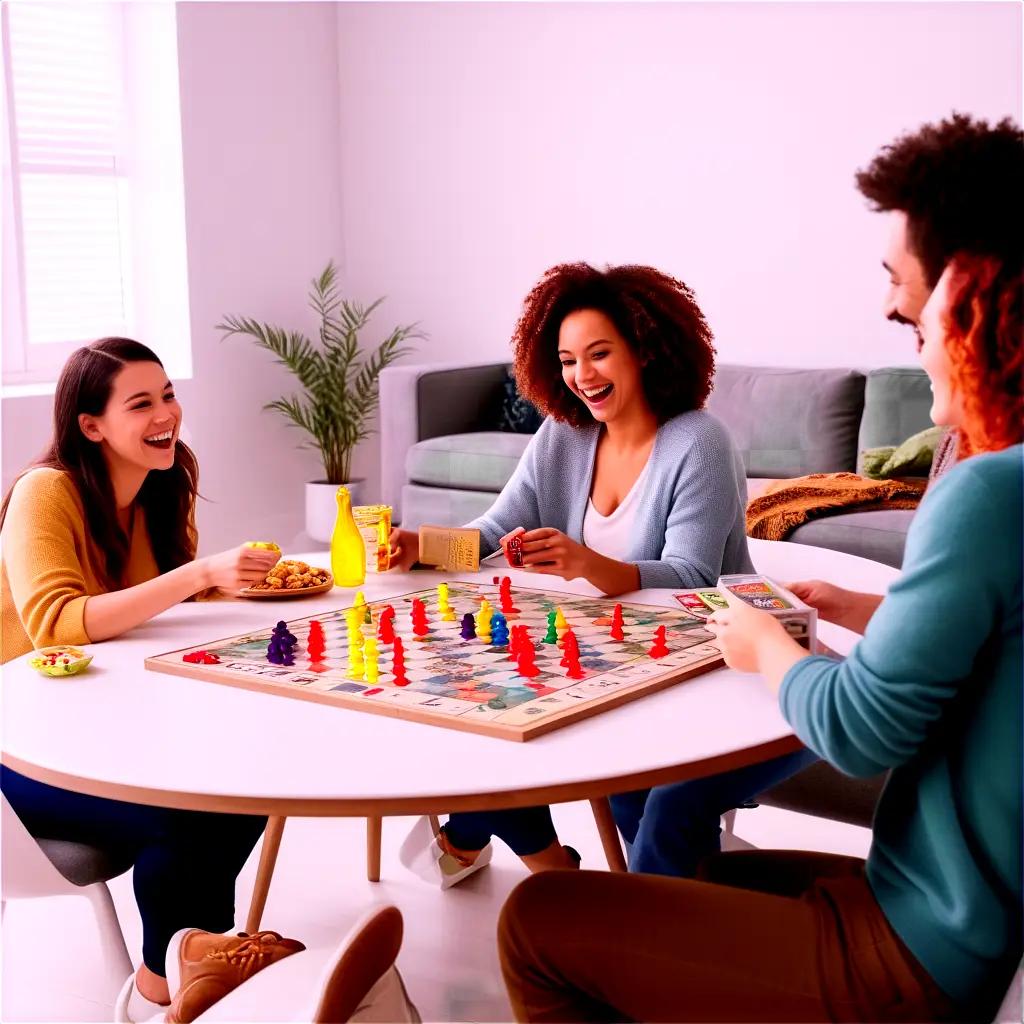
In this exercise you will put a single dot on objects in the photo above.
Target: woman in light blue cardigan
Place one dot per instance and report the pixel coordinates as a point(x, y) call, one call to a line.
point(628, 484)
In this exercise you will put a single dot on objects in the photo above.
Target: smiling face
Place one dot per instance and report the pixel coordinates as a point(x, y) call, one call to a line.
point(598, 365)
point(908, 288)
point(947, 400)
point(139, 427)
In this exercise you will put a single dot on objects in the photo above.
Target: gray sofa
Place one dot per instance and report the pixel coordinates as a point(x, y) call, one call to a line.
point(443, 459)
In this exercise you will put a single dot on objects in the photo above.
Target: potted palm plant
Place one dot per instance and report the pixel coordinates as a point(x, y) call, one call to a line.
point(339, 386)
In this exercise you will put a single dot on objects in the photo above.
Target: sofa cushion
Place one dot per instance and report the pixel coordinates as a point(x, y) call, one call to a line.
point(442, 506)
point(897, 402)
point(879, 535)
point(790, 422)
point(476, 462)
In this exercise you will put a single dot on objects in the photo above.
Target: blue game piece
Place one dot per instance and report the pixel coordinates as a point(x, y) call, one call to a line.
point(499, 630)
point(468, 631)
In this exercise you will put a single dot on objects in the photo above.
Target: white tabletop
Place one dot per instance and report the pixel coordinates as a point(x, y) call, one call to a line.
point(123, 732)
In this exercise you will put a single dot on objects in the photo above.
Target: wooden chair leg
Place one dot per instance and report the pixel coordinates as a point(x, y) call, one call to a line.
point(265, 871)
point(609, 834)
point(373, 831)
point(435, 825)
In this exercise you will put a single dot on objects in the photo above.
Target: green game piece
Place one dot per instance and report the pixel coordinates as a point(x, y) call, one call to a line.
point(551, 636)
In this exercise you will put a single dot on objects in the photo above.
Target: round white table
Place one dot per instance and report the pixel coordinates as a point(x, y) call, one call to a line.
point(122, 732)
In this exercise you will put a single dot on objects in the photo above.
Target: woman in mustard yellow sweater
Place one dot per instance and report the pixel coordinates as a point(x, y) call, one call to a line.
point(97, 537)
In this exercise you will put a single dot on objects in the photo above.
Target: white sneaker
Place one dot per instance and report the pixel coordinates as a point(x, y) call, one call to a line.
point(132, 1006)
point(422, 855)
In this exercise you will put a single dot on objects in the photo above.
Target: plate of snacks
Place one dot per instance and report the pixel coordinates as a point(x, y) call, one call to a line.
point(291, 578)
point(60, 661)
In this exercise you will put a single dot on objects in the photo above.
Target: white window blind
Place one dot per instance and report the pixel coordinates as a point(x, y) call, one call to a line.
point(69, 188)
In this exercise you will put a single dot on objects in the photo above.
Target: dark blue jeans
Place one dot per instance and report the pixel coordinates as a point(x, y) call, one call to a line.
point(672, 828)
point(526, 830)
point(185, 862)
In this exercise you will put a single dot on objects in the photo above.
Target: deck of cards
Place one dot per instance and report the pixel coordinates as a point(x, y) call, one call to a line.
point(799, 619)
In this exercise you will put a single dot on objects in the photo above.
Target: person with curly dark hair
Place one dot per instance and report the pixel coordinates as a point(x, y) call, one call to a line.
point(629, 483)
point(929, 926)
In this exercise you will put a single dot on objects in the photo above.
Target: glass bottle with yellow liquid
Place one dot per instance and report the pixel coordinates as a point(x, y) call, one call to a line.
point(348, 550)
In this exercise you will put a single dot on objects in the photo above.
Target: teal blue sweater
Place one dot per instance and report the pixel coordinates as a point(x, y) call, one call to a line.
point(933, 692)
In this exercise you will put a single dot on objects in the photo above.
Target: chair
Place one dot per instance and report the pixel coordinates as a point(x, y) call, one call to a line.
point(34, 868)
point(358, 982)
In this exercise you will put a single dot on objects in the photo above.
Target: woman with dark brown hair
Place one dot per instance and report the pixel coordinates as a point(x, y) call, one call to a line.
point(629, 483)
point(98, 537)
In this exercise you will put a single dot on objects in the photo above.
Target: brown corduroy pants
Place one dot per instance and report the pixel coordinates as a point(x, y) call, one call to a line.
point(762, 936)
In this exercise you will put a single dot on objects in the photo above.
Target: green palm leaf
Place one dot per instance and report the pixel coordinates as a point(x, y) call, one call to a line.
point(340, 383)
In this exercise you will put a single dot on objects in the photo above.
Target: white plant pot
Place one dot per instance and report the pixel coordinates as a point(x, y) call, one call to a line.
point(322, 508)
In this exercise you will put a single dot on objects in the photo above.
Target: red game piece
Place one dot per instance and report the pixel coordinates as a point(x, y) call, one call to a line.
point(419, 618)
point(527, 666)
point(315, 641)
point(515, 642)
point(398, 663)
point(575, 669)
point(199, 658)
point(570, 649)
point(659, 648)
point(616, 631)
point(505, 596)
point(386, 627)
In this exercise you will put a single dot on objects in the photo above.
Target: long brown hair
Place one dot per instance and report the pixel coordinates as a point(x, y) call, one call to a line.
point(167, 497)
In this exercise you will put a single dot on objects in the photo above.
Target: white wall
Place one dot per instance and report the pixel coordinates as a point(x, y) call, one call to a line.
point(482, 143)
point(259, 111)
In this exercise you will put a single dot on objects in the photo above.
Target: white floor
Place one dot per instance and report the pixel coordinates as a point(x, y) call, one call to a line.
point(449, 959)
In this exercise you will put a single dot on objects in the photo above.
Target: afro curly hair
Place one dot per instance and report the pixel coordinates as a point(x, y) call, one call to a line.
point(959, 183)
point(655, 313)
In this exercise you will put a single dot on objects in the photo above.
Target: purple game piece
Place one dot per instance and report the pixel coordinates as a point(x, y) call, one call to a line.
point(468, 631)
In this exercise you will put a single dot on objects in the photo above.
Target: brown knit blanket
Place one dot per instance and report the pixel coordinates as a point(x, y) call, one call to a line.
point(787, 504)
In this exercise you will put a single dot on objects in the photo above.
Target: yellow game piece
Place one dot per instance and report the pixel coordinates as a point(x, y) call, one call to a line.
point(483, 624)
point(561, 623)
point(442, 595)
point(448, 614)
point(355, 644)
point(371, 672)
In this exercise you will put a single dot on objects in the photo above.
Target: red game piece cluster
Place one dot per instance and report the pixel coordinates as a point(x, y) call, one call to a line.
point(201, 658)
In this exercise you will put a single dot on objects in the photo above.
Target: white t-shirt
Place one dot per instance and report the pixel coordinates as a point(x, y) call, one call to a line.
point(614, 536)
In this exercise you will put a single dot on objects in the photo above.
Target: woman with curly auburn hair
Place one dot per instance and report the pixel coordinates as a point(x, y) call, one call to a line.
point(929, 926)
point(629, 483)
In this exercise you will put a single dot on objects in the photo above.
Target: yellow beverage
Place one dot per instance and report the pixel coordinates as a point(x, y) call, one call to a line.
point(348, 551)
point(374, 522)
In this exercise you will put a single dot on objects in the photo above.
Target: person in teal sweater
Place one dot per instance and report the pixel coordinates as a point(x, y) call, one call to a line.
point(929, 927)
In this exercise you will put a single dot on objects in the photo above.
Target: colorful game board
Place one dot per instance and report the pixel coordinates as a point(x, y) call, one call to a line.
point(467, 684)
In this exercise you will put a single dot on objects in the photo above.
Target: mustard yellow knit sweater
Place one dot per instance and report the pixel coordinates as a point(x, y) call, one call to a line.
point(48, 564)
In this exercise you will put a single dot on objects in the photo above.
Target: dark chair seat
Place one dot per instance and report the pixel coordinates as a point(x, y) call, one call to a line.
point(823, 791)
point(81, 864)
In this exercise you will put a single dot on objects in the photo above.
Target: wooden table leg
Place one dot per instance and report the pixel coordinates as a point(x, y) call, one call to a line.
point(373, 831)
point(268, 858)
point(609, 834)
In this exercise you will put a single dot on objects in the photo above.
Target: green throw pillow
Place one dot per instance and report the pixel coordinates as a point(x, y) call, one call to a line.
point(912, 458)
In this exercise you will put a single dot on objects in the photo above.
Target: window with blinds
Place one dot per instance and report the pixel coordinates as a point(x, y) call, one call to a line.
point(69, 183)
point(78, 211)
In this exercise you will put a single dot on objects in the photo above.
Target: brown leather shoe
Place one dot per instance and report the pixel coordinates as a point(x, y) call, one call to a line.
point(209, 966)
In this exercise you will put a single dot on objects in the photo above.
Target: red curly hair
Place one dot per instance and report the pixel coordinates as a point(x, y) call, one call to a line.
point(985, 343)
point(656, 314)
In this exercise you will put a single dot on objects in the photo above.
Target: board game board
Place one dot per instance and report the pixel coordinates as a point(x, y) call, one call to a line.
point(467, 684)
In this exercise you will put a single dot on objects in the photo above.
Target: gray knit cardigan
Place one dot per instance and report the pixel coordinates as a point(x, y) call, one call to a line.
point(690, 525)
